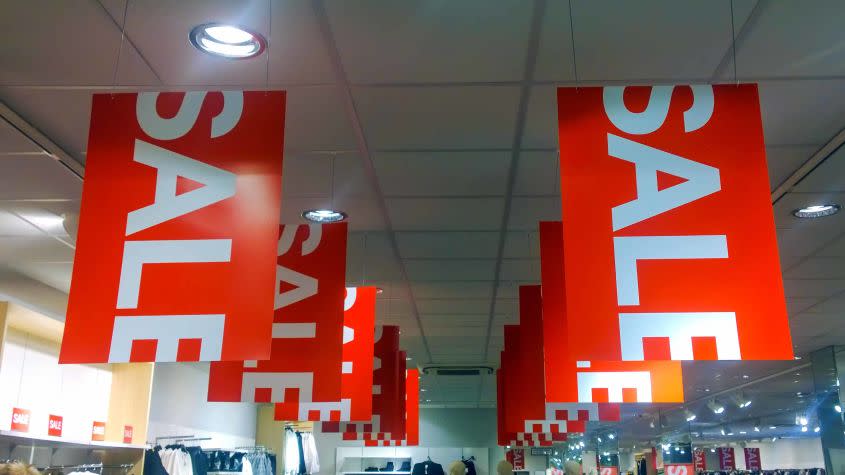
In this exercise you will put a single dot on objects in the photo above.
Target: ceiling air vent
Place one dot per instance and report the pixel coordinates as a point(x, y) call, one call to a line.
point(458, 370)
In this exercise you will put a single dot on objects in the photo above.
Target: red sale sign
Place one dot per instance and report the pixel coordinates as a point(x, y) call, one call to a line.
point(609, 470)
point(699, 460)
point(54, 425)
point(583, 381)
point(412, 417)
point(670, 249)
point(127, 434)
point(303, 374)
point(98, 431)
point(752, 458)
point(679, 469)
point(726, 458)
point(20, 419)
point(178, 228)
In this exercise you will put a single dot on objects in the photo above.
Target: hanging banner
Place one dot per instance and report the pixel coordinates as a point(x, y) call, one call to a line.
point(20, 419)
point(412, 417)
point(752, 458)
point(356, 401)
point(726, 458)
point(385, 389)
point(54, 425)
point(570, 381)
point(679, 469)
point(671, 250)
point(178, 228)
point(303, 373)
point(518, 459)
point(699, 460)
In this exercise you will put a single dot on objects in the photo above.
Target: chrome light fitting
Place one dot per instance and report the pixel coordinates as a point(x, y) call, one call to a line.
point(227, 41)
point(715, 406)
point(324, 216)
point(817, 211)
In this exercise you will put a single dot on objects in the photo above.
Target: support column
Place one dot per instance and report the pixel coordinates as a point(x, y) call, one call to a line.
point(826, 375)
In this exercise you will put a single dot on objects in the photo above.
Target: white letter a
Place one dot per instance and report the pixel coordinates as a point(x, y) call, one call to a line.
point(702, 180)
point(219, 185)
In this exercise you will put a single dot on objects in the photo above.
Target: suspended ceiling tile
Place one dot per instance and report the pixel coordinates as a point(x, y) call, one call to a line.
point(537, 174)
point(797, 305)
point(819, 288)
point(62, 115)
point(464, 306)
point(520, 270)
point(445, 214)
point(54, 274)
point(433, 41)
point(445, 245)
point(454, 330)
point(775, 46)
point(834, 305)
point(14, 142)
point(452, 290)
point(541, 119)
point(437, 117)
point(522, 244)
point(19, 249)
point(13, 226)
point(446, 270)
point(37, 177)
point(442, 173)
point(456, 319)
point(783, 160)
point(818, 268)
point(526, 213)
point(827, 177)
point(802, 112)
point(554, 57)
point(66, 43)
point(316, 119)
point(655, 39)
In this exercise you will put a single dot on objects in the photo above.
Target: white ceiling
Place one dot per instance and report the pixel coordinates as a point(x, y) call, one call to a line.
point(456, 161)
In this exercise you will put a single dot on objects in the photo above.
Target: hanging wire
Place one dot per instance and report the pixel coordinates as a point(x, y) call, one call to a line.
point(572, 39)
point(331, 190)
point(120, 48)
point(269, 39)
point(733, 41)
point(364, 261)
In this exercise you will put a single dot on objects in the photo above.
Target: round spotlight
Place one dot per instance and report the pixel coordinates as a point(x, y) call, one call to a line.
point(689, 415)
point(324, 215)
point(803, 428)
point(816, 211)
point(837, 408)
point(227, 41)
point(817, 429)
point(379, 290)
point(715, 407)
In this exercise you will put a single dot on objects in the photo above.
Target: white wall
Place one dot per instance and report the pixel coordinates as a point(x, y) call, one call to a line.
point(438, 428)
point(31, 378)
point(179, 407)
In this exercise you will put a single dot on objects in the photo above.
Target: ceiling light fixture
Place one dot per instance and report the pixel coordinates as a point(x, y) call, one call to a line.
point(817, 211)
point(379, 290)
point(817, 429)
point(804, 429)
point(715, 407)
point(756, 428)
point(774, 439)
point(689, 415)
point(324, 215)
point(837, 408)
point(227, 41)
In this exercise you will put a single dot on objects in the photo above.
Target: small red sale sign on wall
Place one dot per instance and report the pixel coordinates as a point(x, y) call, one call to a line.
point(20, 419)
point(54, 425)
point(127, 434)
point(98, 431)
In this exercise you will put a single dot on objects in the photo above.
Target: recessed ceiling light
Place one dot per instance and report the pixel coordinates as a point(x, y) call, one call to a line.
point(324, 215)
point(817, 211)
point(773, 427)
point(379, 290)
point(227, 41)
point(816, 429)
point(715, 407)
point(837, 408)
point(803, 428)
point(408, 358)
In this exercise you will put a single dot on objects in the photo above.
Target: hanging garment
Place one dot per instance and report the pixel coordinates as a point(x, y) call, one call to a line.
point(260, 463)
point(199, 460)
point(470, 467)
point(246, 467)
point(152, 463)
point(309, 449)
point(291, 453)
point(272, 459)
point(301, 451)
point(427, 468)
point(176, 461)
